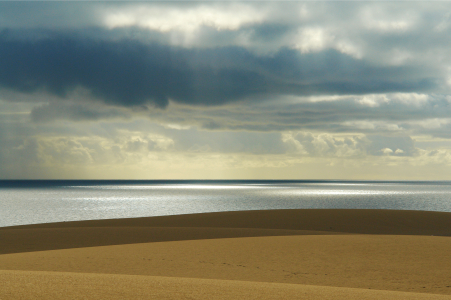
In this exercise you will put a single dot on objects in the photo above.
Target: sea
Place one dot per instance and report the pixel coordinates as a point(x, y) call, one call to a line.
point(44, 201)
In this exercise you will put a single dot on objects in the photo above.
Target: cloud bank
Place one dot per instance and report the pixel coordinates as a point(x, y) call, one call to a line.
point(129, 73)
point(225, 89)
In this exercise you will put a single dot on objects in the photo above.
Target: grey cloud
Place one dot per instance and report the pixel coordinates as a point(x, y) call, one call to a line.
point(34, 151)
point(75, 112)
point(391, 145)
point(227, 142)
point(66, 151)
point(441, 131)
point(18, 156)
point(41, 151)
point(152, 145)
point(236, 88)
point(327, 145)
point(352, 146)
point(62, 14)
point(377, 30)
point(129, 73)
point(136, 146)
point(370, 114)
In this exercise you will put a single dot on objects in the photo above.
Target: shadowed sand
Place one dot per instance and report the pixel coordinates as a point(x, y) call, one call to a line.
point(316, 254)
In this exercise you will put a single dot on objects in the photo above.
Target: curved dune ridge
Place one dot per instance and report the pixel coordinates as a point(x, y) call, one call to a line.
point(274, 254)
point(56, 285)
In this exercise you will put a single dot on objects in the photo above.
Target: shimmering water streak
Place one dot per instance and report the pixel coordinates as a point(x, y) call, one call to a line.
point(28, 202)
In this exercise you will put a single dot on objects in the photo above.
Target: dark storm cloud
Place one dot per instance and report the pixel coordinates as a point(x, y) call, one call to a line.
point(268, 32)
point(131, 73)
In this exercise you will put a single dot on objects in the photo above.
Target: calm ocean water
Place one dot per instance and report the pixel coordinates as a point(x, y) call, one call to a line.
point(28, 202)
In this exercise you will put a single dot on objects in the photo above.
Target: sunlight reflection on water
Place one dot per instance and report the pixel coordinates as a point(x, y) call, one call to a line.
point(72, 202)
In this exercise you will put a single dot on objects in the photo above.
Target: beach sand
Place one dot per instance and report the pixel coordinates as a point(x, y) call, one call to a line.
point(274, 254)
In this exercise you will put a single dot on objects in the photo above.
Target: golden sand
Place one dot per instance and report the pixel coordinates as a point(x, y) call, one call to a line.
point(56, 285)
point(278, 254)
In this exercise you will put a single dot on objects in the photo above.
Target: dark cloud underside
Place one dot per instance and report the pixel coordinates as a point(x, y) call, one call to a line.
point(131, 73)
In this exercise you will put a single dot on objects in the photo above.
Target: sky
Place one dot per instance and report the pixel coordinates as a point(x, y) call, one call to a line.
point(225, 90)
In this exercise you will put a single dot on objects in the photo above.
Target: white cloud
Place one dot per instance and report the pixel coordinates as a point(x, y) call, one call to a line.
point(387, 18)
point(432, 123)
point(386, 151)
point(313, 40)
point(410, 98)
point(372, 100)
point(348, 47)
point(185, 19)
point(376, 100)
point(324, 144)
point(177, 126)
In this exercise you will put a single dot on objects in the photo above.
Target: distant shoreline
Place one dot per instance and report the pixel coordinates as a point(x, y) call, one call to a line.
point(33, 183)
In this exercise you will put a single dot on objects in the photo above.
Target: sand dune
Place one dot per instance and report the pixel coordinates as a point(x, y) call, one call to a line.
point(50, 285)
point(398, 263)
point(92, 233)
point(318, 253)
point(39, 239)
point(367, 221)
